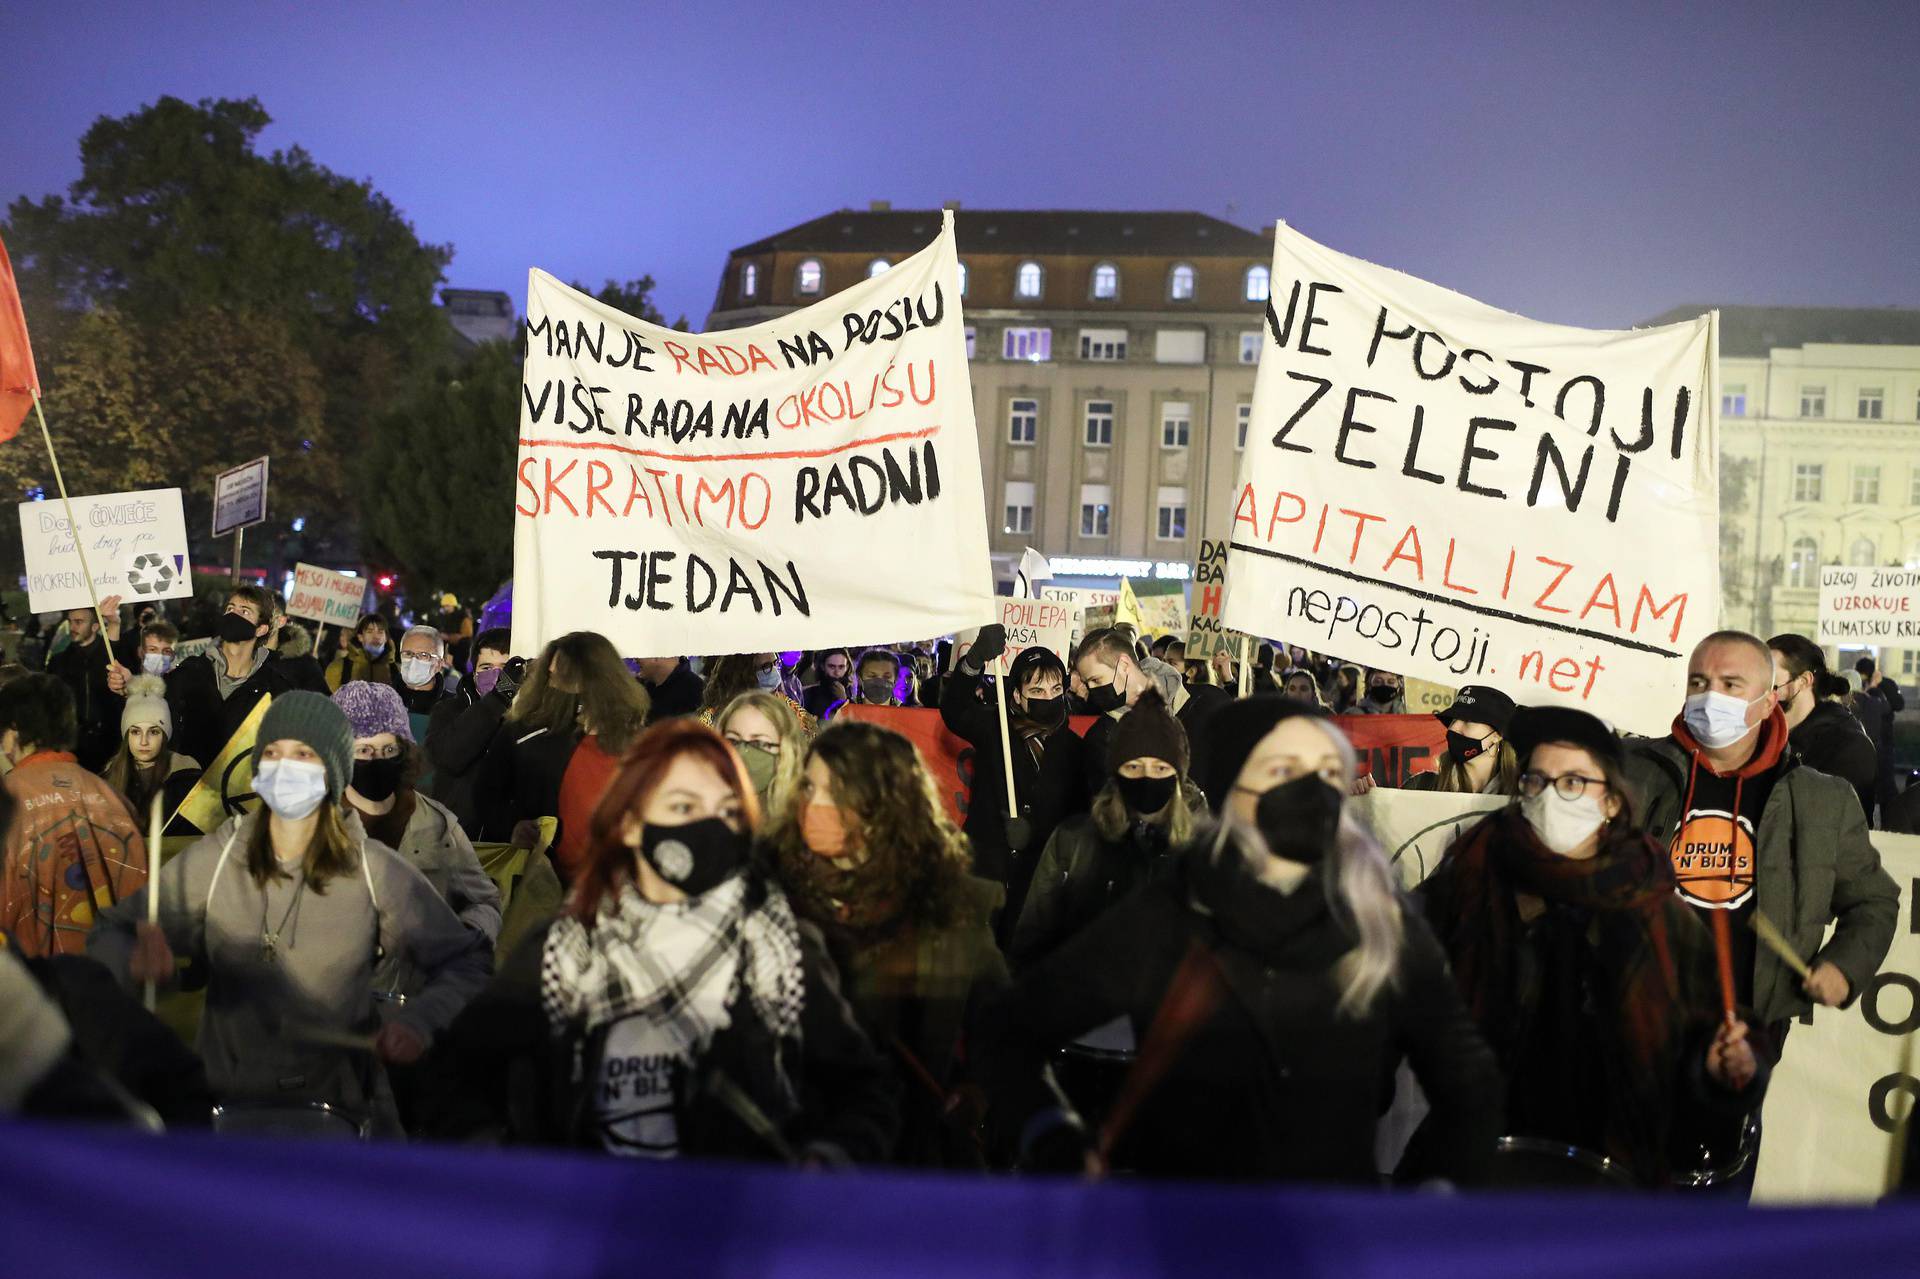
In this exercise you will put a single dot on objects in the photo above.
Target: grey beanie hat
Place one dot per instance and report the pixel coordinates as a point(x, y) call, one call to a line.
point(315, 720)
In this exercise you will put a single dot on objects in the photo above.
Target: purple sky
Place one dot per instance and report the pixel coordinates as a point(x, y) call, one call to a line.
point(1593, 168)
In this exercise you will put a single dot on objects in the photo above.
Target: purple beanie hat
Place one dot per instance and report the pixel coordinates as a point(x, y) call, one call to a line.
point(372, 709)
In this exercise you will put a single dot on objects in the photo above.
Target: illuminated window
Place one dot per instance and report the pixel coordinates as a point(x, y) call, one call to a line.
point(1258, 281)
point(807, 277)
point(1180, 283)
point(1106, 281)
point(749, 279)
point(1027, 281)
point(877, 267)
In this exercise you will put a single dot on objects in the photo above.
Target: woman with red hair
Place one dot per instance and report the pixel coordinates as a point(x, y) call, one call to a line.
point(676, 1006)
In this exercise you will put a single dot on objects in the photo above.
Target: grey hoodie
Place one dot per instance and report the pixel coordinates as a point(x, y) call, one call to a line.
point(322, 978)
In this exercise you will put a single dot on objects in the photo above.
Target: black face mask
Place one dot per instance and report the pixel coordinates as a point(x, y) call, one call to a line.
point(1105, 699)
point(376, 779)
point(1383, 694)
point(1464, 748)
point(695, 857)
point(235, 629)
point(1146, 796)
point(1300, 818)
point(1049, 712)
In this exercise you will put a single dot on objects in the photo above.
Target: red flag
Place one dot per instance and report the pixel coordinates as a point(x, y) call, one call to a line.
point(18, 381)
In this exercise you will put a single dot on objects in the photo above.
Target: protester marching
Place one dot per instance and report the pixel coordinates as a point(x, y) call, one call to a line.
point(723, 845)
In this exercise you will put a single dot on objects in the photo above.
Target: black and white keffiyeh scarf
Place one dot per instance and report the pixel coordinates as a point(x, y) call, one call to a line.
point(680, 965)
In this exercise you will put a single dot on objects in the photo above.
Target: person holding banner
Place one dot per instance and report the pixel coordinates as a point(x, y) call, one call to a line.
point(1148, 808)
point(677, 1007)
point(84, 666)
point(462, 727)
point(290, 910)
point(1281, 977)
point(867, 853)
point(1049, 774)
point(1751, 828)
point(144, 765)
point(1592, 980)
point(365, 656)
point(73, 847)
point(1478, 760)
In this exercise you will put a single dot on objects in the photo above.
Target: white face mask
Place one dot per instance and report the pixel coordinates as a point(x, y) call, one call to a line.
point(292, 788)
point(1717, 720)
point(1562, 824)
point(416, 672)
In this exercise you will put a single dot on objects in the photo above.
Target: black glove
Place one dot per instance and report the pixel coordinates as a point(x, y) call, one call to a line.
point(991, 642)
point(510, 676)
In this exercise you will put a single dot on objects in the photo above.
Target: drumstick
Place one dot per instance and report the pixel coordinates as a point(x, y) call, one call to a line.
point(153, 884)
point(1777, 942)
point(321, 1037)
point(1723, 948)
point(1191, 998)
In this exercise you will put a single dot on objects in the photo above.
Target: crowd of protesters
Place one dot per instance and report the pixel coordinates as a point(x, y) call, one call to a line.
point(1178, 951)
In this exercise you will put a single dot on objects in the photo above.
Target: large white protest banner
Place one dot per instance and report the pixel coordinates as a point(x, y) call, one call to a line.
point(1846, 1080)
point(809, 482)
point(136, 546)
point(1454, 492)
point(1869, 605)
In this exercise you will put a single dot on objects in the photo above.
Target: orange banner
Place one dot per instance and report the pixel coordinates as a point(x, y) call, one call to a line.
point(1393, 748)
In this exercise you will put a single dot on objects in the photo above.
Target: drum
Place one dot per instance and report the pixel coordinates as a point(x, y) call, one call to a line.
point(1092, 1070)
point(1722, 1164)
point(309, 1120)
point(1534, 1163)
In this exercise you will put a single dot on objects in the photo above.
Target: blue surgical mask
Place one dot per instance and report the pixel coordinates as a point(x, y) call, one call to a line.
point(374, 649)
point(416, 672)
point(292, 788)
point(769, 679)
point(156, 663)
point(1717, 720)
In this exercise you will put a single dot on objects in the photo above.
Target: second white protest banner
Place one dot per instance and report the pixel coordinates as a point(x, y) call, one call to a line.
point(1454, 492)
point(809, 482)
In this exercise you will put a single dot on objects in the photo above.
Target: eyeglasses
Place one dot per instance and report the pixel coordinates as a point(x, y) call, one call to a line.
point(1566, 786)
point(377, 753)
point(764, 667)
point(743, 743)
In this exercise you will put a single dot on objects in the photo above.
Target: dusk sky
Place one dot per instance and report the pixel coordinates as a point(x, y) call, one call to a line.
point(1594, 167)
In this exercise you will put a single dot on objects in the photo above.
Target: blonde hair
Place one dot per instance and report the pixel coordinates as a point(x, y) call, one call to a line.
point(1111, 817)
point(332, 851)
point(1362, 888)
point(793, 744)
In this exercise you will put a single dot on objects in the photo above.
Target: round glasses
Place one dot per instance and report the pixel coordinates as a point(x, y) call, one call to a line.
point(1566, 786)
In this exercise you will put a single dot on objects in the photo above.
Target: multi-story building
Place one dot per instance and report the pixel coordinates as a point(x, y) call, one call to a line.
point(1819, 455)
point(480, 315)
point(1112, 364)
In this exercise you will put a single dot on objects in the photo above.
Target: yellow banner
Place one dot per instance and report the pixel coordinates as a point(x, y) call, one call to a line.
point(230, 773)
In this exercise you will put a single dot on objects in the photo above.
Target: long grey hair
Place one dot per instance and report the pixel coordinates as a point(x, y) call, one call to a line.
point(1361, 887)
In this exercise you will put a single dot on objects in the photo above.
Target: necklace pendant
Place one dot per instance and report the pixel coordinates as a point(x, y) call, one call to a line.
point(270, 947)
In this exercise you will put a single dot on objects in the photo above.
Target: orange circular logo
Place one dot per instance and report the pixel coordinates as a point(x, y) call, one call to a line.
point(1713, 861)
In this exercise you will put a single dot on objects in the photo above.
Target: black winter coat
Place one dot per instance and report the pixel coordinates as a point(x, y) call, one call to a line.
point(1081, 876)
point(681, 693)
point(1049, 792)
point(1831, 740)
point(459, 733)
point(520, 778)
point(84, 672)
point(500, 1070)
point(203, 721)
point(1275, 1084)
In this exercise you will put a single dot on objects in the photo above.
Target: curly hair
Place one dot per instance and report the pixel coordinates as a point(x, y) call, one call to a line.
point(912, 860)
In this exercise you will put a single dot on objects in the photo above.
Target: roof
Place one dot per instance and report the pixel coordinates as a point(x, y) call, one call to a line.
point(1748, 332)
point(1036, 231)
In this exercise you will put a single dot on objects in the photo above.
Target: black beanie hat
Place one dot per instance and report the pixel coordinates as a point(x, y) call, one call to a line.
point(1146, 731)
point(1232, 733)
point(1533, 725)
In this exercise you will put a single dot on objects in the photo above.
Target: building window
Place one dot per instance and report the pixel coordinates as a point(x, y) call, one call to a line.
point(1027, 281)
point(1023, 421)
point(1866, 485)
point(1176, 424)
point(1096, 510)
point(1180, 283)
point(1258, 281)
point(1803, 565)
point(1106, 281)
point(1019, 516)
point(972, 334)
point(807, 277)
point(1873, 401)
point(1813, 401)
point(1180, 346)
point(1909, 661)
point(1027, 344)
point(1103, 344)
point(1913, 487)
point(1243, 419)
point(1250, 347)
point(877, 267)
point(1170, 515)
point(1863, 553)
point(1099, 423)
point(1733, 402)
point(1806, 481)
point(749, 279)
point(963, 279)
